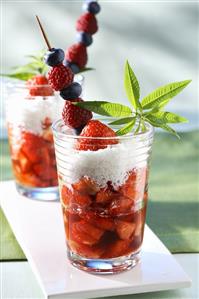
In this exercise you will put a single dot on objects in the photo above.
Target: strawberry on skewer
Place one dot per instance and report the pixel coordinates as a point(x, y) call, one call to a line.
point(60, 78)
point(76, 56)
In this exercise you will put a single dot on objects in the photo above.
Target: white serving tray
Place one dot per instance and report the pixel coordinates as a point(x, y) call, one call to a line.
point(38, 227)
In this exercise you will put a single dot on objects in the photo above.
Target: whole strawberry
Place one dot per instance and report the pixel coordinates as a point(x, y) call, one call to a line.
point(39, 86)
point(60, 76)
point(95, 128)
point(87, 23)
point(74, 116)
point(77, 53)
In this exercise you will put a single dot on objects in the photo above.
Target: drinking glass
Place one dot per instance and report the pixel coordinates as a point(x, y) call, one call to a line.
point(104, 196)
point(29, 120)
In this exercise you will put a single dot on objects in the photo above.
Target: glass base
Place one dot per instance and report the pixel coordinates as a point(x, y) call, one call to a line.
point(104, 266)
point(44, 194)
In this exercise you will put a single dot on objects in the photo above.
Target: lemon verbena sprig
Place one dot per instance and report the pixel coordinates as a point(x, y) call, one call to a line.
point(149, 109)
point(34, 67)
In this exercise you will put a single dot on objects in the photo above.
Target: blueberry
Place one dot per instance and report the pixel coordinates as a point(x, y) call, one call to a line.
point(84, 38)
point(54, 57)
point(79, 130)
point(73, 91)
point(92, 7)
point(74, 67)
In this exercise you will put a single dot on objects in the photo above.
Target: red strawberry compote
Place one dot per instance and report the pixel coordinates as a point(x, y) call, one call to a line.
point(31, 109)
point(104, 191)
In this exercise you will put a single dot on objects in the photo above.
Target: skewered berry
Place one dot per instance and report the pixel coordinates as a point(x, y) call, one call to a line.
point(95, 128)
point(60, 76)
point(79, 130)
point(92, 7)
point(74, 67)
point(73, 91)
point(84, 38)
point(87, 23)
point(54, 57)
point(77, 54)
point(74, 116)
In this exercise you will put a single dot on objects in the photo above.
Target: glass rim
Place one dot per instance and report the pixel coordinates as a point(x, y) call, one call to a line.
point(147, 134)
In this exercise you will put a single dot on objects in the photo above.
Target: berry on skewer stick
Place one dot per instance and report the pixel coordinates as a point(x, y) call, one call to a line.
point(76, 56)
point(60, 78)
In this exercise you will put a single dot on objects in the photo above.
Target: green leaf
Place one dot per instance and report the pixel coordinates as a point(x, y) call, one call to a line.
point(121, 121)
point(131, 86)
point(20, 76)
point(25, 69)
point(126, 129)
point(170, 117)
point(159, 123)
point(155, 121)
point(170, 130)
point(29, 70)
point(86, 69)
point(163, 93)
point(105, 108)
point(159, 106)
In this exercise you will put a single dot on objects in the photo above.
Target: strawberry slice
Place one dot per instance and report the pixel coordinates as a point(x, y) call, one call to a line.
point(125, 229)
point(46, 123)
point(85, 233)
point(72, 196)
point(95, 128)
point(82, 200)
point(66, 195)
point(38, 86)
point(33, 147)
point(24, 163)
point(135, 184)
point(86, 186)
point(128, 188)
point(140, 221)
point(102, 222)
point(117, 248)
point(66, 223)
point(47, 135)
point(85, 250)
point(123, 205)
point(104, 196)
point(45, 172)
point(54, 182)
point(31, 180)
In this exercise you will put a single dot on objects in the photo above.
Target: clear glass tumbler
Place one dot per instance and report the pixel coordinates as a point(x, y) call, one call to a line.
point(104, 198)
point(29, 120)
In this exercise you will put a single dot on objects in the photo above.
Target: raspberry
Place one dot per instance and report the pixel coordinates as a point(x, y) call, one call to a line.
point(60, 76)
point(74, 116)
point(87, 23)
point(77, 54)
point(95, 128)
point(38, 86)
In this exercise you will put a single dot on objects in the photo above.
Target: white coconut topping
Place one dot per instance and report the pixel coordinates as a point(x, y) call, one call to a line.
point(30, 113)
point(111, 164)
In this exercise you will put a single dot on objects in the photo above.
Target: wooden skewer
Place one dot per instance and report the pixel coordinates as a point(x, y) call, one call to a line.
point(44, 34)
